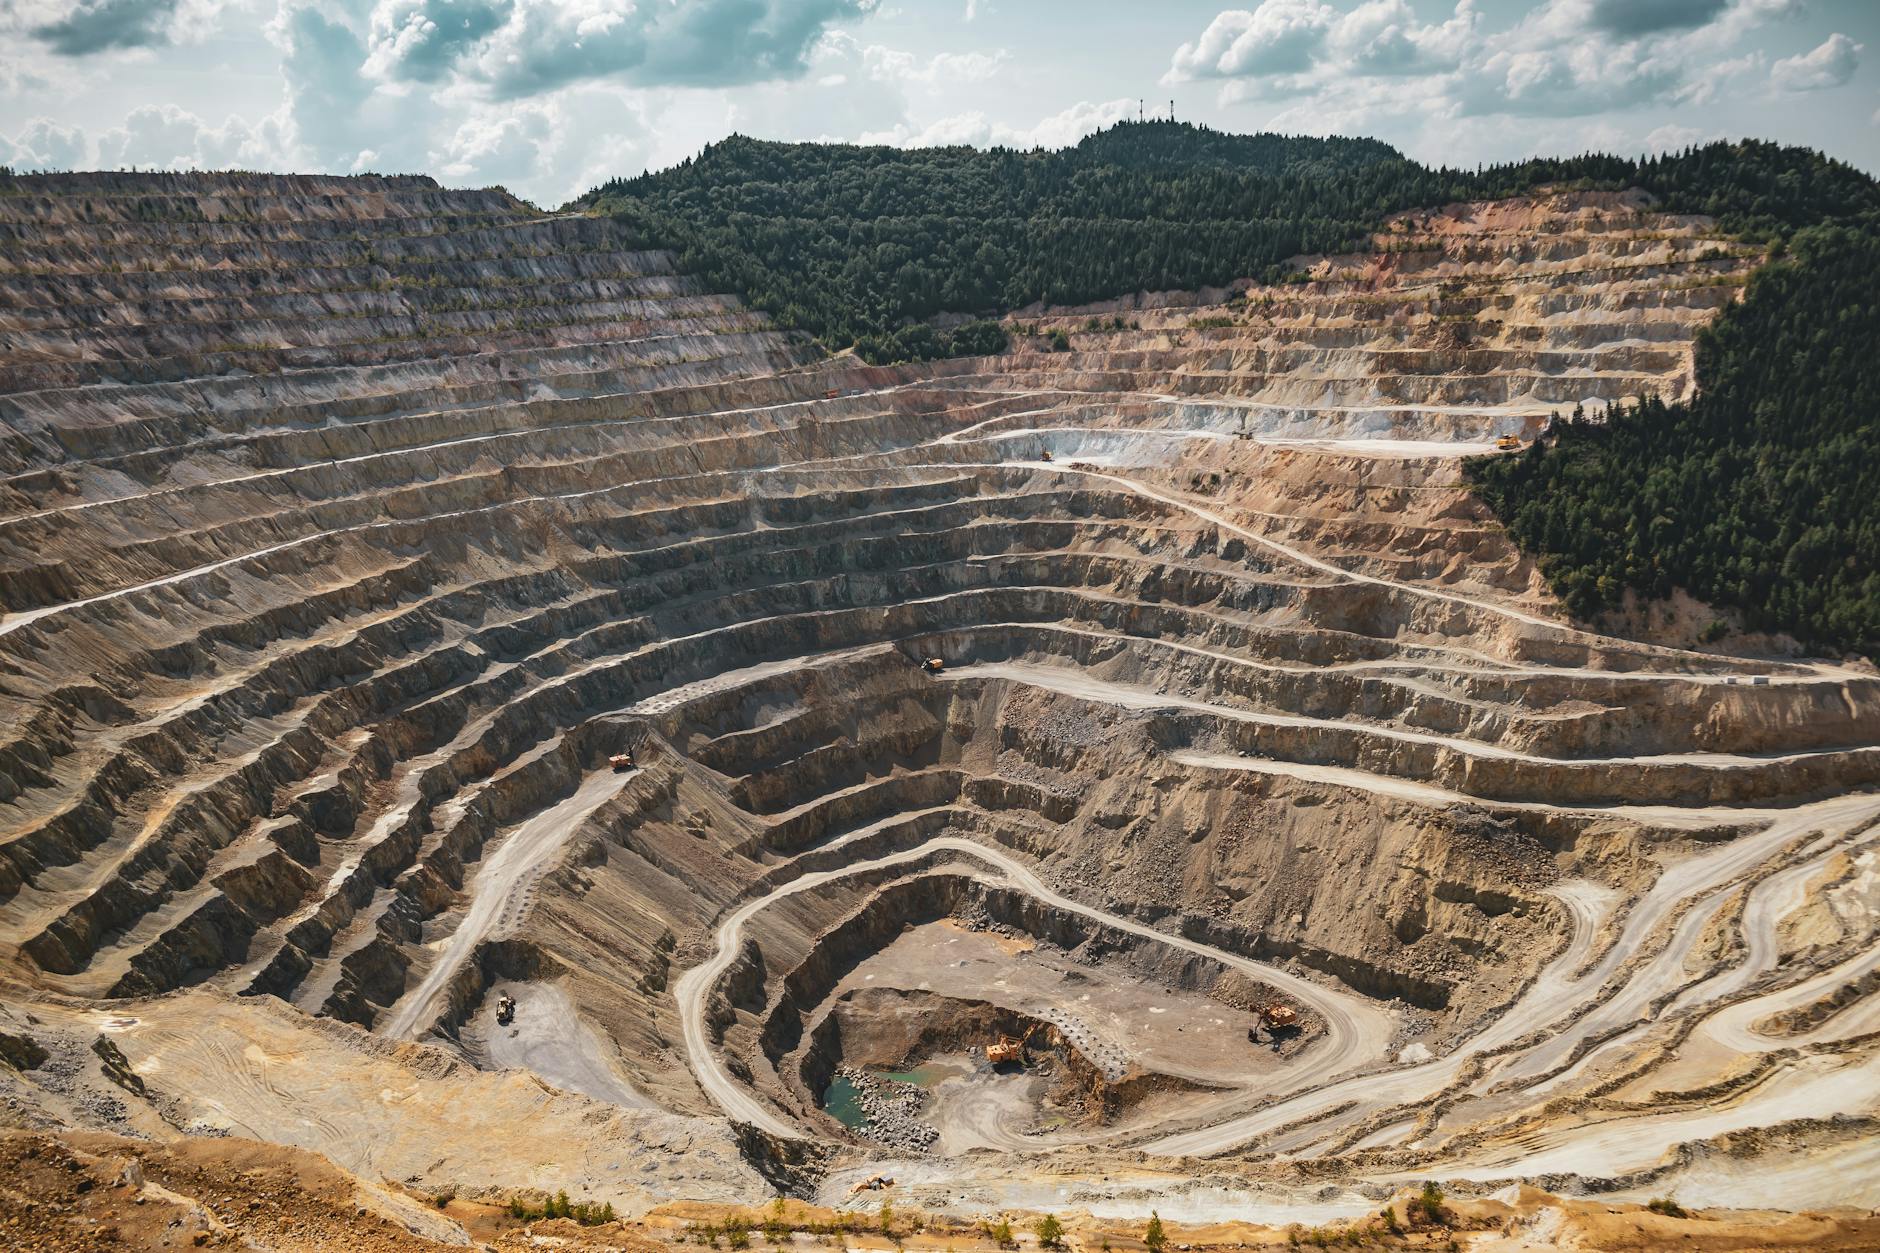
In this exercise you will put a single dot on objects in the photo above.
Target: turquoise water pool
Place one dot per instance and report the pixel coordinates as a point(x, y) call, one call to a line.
point(843, 1102)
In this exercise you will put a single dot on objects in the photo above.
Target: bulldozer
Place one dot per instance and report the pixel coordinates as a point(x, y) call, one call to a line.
point(621, 762)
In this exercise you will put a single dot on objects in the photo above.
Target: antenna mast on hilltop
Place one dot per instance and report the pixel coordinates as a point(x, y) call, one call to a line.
point(1140, 114)
point(1171, 110)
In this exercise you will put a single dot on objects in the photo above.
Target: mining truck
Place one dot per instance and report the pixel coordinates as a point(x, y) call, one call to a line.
point(934, 665)
point(621, 762)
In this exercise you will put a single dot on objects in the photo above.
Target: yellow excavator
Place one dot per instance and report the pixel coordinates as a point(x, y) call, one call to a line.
point(1009, 1049)
point(1508, 443)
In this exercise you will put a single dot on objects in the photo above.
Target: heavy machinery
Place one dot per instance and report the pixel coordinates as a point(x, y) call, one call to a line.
point(1278, 1015)
point(1009, 1049)
point(1508, 443)
point(934, 665)
point(1045, 455)
point(505, 1010)
point(874, 1183)
point(621, 762)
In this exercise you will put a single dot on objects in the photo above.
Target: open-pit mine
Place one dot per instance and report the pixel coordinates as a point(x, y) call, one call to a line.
point(486, 709)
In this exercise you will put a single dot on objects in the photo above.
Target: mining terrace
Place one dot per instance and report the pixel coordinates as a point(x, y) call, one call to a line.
point(467, 713)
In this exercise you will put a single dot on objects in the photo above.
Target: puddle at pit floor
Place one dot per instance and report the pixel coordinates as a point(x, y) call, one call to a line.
point(842, 1101)
point(927, 1074)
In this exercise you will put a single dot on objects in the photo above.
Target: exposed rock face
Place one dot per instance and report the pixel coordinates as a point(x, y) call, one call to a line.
point(350, 527)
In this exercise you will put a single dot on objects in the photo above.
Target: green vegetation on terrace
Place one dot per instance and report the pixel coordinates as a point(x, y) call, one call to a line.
point(866, 246)
point(1761, 494)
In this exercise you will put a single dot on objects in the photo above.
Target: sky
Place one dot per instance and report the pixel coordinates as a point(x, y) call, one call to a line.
point(550, 97)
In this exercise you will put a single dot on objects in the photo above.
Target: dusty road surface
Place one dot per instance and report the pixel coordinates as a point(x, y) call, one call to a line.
point(501, 881)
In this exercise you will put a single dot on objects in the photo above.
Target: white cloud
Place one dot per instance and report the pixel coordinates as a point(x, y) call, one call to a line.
point(1829, 65)
point(548, 150)
point(1368, 67)
point(1279, 37)
point(43, 144)
point(1703, 88)
point(166, 137)
point(520, 48)
point(80, 28)
point(1674, 138)
point(1384, 37)
point(892, 65)
point(980, 131)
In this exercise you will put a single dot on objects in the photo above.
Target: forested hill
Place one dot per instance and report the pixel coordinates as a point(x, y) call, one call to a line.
point(864, 245)
point(1762, 494)
point(1177, 145)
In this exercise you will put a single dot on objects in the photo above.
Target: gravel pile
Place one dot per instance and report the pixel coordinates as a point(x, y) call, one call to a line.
point(891, 1111)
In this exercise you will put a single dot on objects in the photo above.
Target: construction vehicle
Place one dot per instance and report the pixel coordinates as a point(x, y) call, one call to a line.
point(1045, 455)
point(831, 394)
point(1278, 1015)
point(1009, 1049)
point(1508, 443)
point(874, 1183)
point(505, 1010)
point(621, 762)
point(934, 665)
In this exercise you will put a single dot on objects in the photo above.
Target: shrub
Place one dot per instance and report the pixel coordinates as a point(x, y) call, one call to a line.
point(1153, 1235)
point(589, 1215)
point(1427, 1206)
point(1050, 1231)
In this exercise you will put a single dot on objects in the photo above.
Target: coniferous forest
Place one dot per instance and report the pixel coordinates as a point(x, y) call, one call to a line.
point(1762, 493)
